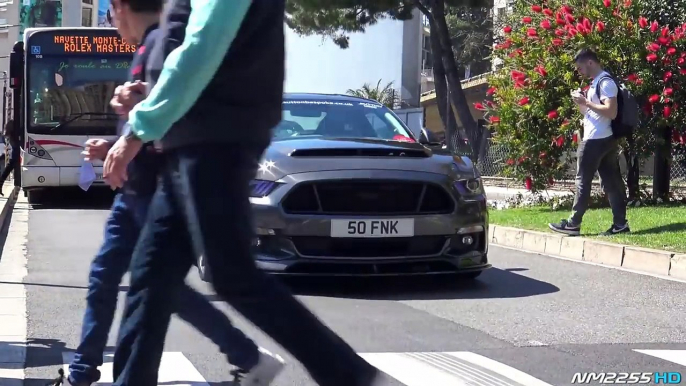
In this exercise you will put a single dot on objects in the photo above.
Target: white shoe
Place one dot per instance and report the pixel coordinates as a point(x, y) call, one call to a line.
point(267, 368)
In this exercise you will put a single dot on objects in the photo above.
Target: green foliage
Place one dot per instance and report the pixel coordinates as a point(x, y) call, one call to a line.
point(532, 113)
point(471, 32)
point(672, 13)
point(385, 95)
point(336, 19)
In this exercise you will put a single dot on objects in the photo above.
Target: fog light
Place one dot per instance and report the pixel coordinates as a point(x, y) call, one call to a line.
point(467, 240)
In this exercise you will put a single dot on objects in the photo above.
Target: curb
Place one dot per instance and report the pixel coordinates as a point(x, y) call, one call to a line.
point(9, 203)
point(650, 261)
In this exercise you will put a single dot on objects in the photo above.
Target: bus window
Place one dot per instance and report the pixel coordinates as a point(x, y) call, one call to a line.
point(60, 87)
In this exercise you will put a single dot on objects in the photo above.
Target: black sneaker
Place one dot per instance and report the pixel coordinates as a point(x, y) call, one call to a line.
point(263, 374)
point(59, 381)
point(615, 230)
point(566, 227)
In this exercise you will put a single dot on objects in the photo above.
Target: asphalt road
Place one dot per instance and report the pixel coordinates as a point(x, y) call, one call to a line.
point(545, 317)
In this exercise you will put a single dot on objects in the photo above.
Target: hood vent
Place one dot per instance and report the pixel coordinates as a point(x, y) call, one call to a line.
point(379, 152)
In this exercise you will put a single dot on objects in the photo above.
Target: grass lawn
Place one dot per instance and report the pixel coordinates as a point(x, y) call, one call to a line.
point(651, 227)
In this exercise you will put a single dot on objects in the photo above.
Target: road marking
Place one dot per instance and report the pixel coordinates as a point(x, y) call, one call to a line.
point(448, 369)
point(674, 356)
point(175, 369)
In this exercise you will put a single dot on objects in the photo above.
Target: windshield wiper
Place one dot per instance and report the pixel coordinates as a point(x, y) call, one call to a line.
point(74, 117)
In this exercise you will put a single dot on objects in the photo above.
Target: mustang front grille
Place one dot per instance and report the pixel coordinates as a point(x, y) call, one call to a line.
point(365, 197)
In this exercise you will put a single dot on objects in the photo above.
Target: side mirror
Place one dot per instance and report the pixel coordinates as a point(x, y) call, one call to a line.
point(428, 138)
point(17, 65)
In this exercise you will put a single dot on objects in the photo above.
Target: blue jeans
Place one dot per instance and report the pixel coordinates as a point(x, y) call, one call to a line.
point(204, 197)
point(122, 230)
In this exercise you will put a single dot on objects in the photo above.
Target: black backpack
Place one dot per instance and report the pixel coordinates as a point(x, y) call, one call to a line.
point(627, 109)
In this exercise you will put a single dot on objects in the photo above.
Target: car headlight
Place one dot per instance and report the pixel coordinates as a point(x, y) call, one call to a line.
point(262, 188)
point(470, 187)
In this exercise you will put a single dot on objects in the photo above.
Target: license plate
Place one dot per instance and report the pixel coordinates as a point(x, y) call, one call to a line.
point(373, 228)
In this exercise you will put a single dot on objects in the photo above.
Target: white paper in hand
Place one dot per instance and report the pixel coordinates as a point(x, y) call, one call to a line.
point(86, 175)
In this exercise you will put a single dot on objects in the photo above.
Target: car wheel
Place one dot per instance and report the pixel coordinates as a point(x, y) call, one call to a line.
point(203, 269)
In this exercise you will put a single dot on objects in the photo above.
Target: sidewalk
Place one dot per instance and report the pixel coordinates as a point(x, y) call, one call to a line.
point(650, 261)
point(494, 193)
point(12, 293)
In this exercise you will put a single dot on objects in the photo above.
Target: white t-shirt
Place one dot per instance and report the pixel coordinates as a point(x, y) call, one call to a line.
point(595, 125)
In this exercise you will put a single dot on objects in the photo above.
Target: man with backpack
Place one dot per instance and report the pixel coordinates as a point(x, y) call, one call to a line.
point(607, 118)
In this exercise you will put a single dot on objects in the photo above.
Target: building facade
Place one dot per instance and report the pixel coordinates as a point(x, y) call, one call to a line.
point(389, 51)
point(17, 15)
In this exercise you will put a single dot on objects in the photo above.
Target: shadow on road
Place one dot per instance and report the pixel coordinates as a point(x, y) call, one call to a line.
point(492, 284)
point(39, 353)
point(122, 288)
point(72, 198)
point(495, 283)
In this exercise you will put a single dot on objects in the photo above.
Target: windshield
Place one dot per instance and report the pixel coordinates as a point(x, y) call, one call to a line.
point(76, 89)
point(340, 120)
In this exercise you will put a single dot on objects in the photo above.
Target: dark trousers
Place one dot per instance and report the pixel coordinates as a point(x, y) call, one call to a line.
point(9, 168)
point(204, 198)
point(599, 155)
point(107, 270)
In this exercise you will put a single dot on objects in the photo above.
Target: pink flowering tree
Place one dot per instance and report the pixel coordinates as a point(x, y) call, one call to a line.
point(529, 105)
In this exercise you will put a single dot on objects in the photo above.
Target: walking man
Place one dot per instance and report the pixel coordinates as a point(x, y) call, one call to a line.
point(137, 21)
point(213, 131)
point(15, 152)
point(598, 151)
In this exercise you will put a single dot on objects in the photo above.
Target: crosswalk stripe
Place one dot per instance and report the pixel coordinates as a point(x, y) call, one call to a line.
point(459, 368)
point(448, 369)
point(674, 356)
point(175, 369)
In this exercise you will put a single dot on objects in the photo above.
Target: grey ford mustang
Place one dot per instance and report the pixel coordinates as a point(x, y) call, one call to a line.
point(346, 189)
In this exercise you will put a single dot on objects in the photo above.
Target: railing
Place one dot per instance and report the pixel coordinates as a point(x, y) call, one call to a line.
point(463, 81)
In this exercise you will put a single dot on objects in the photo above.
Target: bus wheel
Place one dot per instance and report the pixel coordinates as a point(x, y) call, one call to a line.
point(33, 196)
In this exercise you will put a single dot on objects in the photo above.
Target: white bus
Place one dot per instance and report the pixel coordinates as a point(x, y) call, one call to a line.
point(63, 80)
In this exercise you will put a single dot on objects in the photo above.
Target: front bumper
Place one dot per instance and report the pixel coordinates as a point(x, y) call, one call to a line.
point(301, 244)
point(399, 267)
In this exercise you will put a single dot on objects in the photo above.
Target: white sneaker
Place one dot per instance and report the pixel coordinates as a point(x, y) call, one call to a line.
point(267, 368)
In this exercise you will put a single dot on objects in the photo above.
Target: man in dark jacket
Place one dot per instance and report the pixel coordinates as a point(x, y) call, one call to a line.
point(213, 131)
point(15, 154)
point(137, 22)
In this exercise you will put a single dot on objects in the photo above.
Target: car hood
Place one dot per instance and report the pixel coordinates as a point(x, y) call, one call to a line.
point(303, 155)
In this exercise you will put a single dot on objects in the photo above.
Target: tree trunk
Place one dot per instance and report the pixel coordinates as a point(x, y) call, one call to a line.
point(457, 96)
point(441, 87)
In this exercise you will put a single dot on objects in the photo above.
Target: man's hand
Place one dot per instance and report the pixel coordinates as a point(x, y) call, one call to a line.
point(127, 96)
point(118, 158)
point(579, 99)
point(96, 149)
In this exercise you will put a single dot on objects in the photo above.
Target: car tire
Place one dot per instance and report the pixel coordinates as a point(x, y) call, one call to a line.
point(203, 269)
point(471, 275)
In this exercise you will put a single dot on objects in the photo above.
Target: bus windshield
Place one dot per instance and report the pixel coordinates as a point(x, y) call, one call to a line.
point(76, 89)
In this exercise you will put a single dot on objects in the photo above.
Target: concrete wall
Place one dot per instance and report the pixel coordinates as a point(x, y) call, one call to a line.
point(412, 60)
point(9, 17)
point(433, 119)
point(388, 51)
